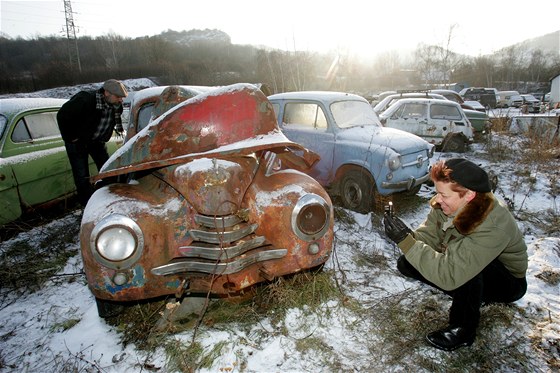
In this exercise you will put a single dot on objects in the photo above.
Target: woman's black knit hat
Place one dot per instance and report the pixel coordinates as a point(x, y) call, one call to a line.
point(468, 174)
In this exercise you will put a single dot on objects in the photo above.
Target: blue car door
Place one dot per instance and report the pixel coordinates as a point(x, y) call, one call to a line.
point(305, 123)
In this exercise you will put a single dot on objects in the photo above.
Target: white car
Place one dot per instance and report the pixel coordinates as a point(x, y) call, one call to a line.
point(442, 123)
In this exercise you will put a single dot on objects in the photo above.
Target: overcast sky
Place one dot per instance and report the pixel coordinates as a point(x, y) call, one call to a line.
point(358, 27)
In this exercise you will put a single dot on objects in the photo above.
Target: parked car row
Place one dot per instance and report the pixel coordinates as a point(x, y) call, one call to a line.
point(529, 103)
point(215, 189)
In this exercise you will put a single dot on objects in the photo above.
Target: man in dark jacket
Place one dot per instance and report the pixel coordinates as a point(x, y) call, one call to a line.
point(470, 247)
point(86, 123)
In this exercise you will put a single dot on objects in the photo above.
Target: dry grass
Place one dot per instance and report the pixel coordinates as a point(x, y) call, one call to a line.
point(397, 322)
point(41, 254)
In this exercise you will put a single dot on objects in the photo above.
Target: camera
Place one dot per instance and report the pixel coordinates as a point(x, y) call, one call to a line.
point(389, 209)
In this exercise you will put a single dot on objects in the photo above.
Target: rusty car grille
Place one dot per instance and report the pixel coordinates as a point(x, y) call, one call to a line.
point(221, 246)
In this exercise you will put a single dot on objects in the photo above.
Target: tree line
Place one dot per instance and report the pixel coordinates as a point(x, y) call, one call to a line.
point(29, 65)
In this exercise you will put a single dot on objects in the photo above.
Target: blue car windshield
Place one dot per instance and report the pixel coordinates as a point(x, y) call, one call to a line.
point(354, 113)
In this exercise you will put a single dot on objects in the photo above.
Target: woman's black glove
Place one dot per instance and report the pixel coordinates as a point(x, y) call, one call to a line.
point(395, 228)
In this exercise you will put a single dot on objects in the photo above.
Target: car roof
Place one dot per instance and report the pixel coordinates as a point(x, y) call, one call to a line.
point(156, 91)
point(12, 106)
point(403, 101)
point(429, 100)
point(384, 104)
point(324, 96)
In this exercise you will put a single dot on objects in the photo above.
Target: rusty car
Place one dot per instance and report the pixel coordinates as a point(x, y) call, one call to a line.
point(440, 122)
point(211, 198)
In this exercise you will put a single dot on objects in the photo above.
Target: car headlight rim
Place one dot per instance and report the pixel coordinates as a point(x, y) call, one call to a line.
point(394, 162)
point(116, 241)
point(311, 217)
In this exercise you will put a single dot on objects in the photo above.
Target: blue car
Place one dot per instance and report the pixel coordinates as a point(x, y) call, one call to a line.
point(360, 159)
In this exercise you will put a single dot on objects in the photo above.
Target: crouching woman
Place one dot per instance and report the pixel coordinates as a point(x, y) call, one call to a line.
point(469, 246)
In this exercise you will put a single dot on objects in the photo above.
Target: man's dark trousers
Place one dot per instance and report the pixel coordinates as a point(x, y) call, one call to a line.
point(78, 153)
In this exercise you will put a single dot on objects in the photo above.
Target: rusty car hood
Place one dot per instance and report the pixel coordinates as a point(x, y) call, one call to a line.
point(227, 121)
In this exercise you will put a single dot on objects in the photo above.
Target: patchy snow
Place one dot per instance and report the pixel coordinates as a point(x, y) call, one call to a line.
point(57, 328)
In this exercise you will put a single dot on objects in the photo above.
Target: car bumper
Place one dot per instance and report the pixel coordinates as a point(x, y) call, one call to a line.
point(408, 184)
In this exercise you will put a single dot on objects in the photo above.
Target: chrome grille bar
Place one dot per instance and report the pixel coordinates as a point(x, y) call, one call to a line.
point(219, 268)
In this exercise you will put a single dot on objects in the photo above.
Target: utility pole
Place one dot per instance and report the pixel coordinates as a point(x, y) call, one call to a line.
point(73, 52)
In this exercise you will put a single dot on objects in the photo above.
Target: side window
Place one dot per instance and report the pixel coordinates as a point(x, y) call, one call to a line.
point(414, 111)
point(444, 112)
point(21, 133)
point(310, 115)
point(144, 116)
point(35, 127)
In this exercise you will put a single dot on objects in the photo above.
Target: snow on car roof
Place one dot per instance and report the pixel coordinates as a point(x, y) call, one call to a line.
point(12, 106)
point(325, 96)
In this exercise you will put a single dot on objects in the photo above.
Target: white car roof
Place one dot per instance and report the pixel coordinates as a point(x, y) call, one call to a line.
point(323, 96)
point(403, 101)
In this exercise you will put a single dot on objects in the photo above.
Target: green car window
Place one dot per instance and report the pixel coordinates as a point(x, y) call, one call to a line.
point(36, 126)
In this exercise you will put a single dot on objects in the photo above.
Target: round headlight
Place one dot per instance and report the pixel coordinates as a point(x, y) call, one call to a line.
point(394, 162)
point(311, 217)
point(116, 243)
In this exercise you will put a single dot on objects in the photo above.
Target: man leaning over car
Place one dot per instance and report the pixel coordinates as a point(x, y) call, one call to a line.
point(86, 123)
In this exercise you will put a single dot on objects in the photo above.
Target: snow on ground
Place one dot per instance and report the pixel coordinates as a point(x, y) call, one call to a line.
point(58, 327)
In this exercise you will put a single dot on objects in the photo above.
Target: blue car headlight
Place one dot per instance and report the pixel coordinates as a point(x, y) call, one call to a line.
point(394, 162)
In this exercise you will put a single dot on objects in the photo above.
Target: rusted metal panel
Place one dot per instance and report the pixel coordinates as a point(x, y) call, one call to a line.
point(198, 126)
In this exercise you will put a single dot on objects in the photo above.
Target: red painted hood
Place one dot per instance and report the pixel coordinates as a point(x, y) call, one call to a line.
point(232, 120)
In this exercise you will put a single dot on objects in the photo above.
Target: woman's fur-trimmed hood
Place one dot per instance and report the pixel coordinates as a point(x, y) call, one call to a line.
point(473, 214)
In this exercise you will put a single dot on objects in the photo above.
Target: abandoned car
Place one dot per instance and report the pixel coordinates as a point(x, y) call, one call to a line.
point(360, 159)
point(215, 201)
point(442, 123)
point(479, 120)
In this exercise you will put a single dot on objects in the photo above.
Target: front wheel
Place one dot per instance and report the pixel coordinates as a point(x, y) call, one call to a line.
point(107, 309)
point(357, 191)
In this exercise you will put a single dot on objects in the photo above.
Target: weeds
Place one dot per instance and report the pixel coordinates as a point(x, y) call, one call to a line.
point(27, 262)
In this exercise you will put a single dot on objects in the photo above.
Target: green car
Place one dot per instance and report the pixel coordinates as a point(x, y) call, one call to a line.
point(34, 167)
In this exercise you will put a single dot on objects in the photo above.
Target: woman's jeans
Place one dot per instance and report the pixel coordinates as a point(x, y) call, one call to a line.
point(495, 284)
